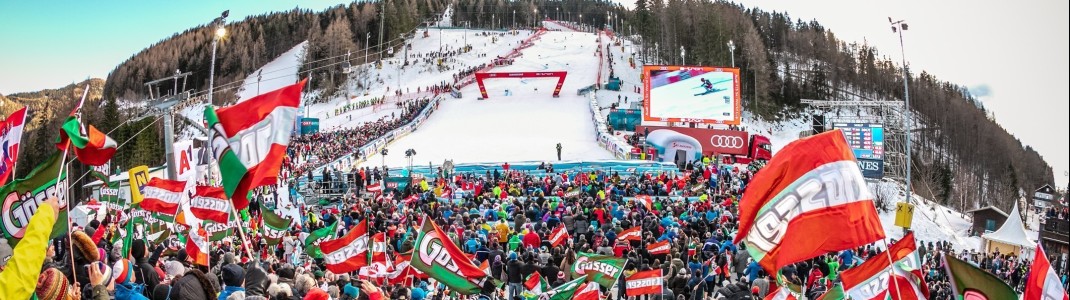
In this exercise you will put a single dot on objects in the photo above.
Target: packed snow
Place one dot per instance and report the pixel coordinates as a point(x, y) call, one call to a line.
point(520, 120)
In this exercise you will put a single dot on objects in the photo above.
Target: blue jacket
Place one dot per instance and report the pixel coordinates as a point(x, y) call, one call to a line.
point(129, 291)
point(752, 271)
point(229, 290)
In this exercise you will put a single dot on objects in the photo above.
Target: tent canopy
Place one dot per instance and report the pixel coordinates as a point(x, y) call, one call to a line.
point(1012, 232)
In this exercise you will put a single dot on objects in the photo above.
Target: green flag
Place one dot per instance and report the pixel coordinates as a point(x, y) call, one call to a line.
point(442, 260)
point(969, 282)
point(275, 226)
point(566, 290)
point(312, 242)
point(603, 269)
point(129, 238)
point(835, 293)
point(219, 231)
point(21, 196)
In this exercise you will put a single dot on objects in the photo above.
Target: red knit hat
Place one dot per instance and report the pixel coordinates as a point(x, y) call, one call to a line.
point(51, 285)
point(317, 294)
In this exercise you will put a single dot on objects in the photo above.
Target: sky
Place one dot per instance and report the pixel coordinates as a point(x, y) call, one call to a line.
point(1011, 53)
point(1014, 54)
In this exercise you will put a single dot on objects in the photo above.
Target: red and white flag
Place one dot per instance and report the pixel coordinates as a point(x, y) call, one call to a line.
point(379, 248)
point(163, 196)
point(10, 138)
point(197, 244)
point(210, 203)
point(558, 236)
point(589, 291)
point(632, 234)
point(348, 253)
point(374, 188)
point(646, 201)
point(659, 248)
point(644, 283)
point(878, 278)
point(399, 272)
point(249, 139)
point(811, 185)
point(1043, 282)
point(781, 294)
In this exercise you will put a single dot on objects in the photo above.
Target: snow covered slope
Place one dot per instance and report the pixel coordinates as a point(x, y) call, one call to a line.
point(523, 126)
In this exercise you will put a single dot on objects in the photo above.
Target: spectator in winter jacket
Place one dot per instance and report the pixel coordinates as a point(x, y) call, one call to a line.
point(752, 270)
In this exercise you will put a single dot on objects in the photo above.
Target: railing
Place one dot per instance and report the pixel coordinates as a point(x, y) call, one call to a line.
point(1059, 226)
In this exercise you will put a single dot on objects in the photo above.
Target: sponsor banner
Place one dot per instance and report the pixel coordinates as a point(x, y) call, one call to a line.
point(713, 141)
point(871, 168)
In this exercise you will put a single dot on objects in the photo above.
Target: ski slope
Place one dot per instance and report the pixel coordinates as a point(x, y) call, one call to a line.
point(520, 121)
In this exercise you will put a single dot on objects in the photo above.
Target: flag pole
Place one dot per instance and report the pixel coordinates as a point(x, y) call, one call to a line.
point(63, 170)
point(241, 231)
point(891, 263)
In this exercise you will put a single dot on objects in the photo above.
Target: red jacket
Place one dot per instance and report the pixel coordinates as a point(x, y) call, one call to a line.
point(532, 240)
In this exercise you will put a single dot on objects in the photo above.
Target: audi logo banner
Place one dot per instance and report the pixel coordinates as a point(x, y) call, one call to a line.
point(717, 141)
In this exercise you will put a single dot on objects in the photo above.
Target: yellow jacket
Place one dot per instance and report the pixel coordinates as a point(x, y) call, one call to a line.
point(19, 278)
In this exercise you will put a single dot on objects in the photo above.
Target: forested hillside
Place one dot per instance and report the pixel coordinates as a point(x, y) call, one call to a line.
point(252, 42)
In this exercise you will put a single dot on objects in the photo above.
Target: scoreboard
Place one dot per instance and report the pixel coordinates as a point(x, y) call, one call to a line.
point(867, 142)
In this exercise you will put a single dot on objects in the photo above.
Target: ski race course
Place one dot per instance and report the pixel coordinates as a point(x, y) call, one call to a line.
point(520, 120)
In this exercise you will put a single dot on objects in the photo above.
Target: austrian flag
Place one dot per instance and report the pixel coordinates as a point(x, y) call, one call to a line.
point(558, 236)
point(210, 203)
point(162, 195)
point(348, 253)
point(249, 139)
point(659, 248)
point(632, 234)
point(644, 283)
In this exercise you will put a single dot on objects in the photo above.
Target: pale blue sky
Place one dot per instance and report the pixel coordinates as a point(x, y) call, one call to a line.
point(1017, 50)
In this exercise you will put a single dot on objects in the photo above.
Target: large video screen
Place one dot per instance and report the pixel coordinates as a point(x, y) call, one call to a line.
point(691, 94)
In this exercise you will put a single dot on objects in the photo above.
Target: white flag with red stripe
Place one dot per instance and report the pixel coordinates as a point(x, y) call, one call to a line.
point(1043, 282)
point(348, 253)
point(162, 195)
point(659, 248)
point(558, 236)
point(644, 283)
point(210, 203)
point(632, 234)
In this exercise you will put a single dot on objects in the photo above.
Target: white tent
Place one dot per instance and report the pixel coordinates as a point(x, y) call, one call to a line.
point(1010, 238)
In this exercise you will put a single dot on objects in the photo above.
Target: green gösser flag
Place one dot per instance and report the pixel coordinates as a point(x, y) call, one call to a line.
point(275, 226)
point(440, 259)
point(312, 242)
point(22, 196)
point(565, 291)
point(602, 269)
point(969, 282)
